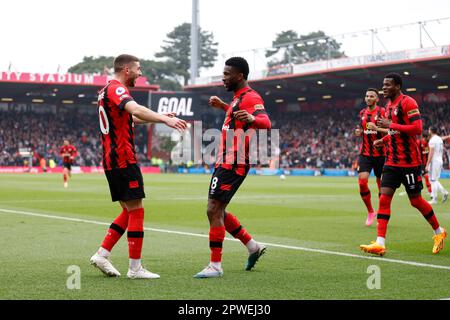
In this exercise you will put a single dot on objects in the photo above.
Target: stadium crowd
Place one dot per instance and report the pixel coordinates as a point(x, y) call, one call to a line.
point(322, 139)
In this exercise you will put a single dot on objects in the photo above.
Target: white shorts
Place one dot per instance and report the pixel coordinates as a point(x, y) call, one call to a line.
point(435, 170)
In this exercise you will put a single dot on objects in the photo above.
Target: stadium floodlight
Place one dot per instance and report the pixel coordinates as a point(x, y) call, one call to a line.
point(81, 95)
point(406, 73)
point(342, 85)
point(7, 99)
point(301, 99)
point(411, 89)
point(279, 100)
point(326, 97)
point(442, 87)
point(67, 101)
point(319, 82)
point(37, 100)
point(278, 86)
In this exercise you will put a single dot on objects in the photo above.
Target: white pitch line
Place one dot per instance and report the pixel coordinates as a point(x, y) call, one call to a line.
point(343, 254)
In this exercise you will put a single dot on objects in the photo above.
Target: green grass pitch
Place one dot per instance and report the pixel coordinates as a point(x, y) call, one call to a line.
point(313, 227)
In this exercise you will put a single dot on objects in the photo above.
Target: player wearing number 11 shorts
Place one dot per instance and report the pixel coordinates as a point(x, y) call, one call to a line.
point(403, 162)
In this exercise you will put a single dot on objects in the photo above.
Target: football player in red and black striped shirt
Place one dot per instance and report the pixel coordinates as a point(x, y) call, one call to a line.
point(118, 113)
point(245, 112)
point(422, 143)
point(370, 157)
point(403, 161)
point(68, 152)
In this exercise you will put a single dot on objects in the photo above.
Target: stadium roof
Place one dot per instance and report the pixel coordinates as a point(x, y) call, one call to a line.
point(420, 75)
point(58, 88)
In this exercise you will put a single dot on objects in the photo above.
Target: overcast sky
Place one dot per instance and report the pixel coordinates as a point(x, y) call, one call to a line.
point(39, 35)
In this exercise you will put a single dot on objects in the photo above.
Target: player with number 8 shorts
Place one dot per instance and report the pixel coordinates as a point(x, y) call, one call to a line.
point(246, 112)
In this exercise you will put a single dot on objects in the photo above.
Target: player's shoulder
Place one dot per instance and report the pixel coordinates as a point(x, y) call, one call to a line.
point(409, 101)
point(252, 100)
point(117, 88)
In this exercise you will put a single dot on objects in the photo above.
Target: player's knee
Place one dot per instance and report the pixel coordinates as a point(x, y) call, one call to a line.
point(416, 201)
point(385, 202)
point(363, 183)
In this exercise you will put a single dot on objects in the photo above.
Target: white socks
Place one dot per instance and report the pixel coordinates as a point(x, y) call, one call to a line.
point(217, 265)
point(103, 252)
point(438, 231)
point(381, 241)
point(135, 264)
point(252, 246)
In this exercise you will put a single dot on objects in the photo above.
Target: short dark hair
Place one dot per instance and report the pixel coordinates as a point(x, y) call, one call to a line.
point(239, 63)
point(373, 90)
point(433, 129)
point(121, 61)
point(396, 77)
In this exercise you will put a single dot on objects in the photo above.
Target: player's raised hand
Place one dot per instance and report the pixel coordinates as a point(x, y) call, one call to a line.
point(176, 123)
point(244, 116)
point(216, 102)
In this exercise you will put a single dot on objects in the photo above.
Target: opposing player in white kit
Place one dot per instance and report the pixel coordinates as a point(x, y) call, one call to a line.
point(434, 165)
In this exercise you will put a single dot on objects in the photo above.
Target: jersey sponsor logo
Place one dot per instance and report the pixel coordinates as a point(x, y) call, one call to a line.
point(120, 91)
point(370, 132)
point(181, 106)
point(258, 107)
point(393, 132)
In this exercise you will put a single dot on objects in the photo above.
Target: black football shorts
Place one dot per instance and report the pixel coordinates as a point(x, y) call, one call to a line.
point(67, 165)
point(410, 177)
point(366, 164)
point(224, 184)
point(126, 184)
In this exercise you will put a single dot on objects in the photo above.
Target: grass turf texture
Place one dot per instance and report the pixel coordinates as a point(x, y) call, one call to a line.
point(309, 212)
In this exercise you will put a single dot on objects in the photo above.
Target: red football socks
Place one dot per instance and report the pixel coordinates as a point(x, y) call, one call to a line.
point(135, 232)
point(384, 214)
point(216, 237)
point(427, 211)
point(427, 182)
point(234, 227)
point(365, 193)
point(116, 230)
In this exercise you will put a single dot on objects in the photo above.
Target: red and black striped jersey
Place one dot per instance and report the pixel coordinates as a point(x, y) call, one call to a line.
point(70, 149)
point(116, 126)
point(402, 149)
point(228, 157)
point(369, 136)
point(423, 149)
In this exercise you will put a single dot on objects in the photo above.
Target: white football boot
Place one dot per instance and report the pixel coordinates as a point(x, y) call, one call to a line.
point(105, 265)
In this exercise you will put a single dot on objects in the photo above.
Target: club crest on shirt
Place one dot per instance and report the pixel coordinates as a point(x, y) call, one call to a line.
point(396, 111)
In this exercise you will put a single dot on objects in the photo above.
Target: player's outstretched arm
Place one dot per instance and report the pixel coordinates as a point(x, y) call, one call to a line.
point(145, 115)
point(216, 102)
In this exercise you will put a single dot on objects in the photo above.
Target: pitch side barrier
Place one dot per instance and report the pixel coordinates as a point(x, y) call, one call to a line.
point(294, 172)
